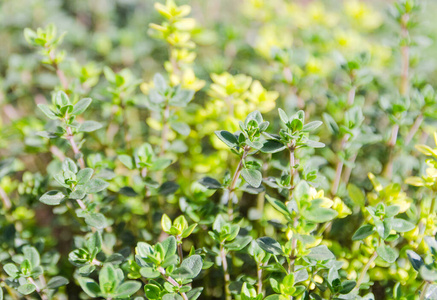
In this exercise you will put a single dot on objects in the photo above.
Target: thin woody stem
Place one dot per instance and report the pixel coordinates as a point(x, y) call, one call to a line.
point(403, 90)
point(231, 187)
point(172, 281)
point(366, 268)
point(226, 275)
point(75, 148)
point(5, 199)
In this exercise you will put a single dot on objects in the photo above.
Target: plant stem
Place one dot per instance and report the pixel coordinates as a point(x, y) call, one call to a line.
point(292, 171)
point(75, 148)
point(423, 293)
point(403, 90)
point(38, 290)
point(366, 268)
point(127, 137)
point(180, 250)
point(231, 187)
point(172, 281)
point(339, 168)
point(340, 164)
point(5, 199)
point(391, 145)
point(348, 170)
point(165, 116)
point(414, 128)
point(260, 279)
point(227, 277)
point(59, 72)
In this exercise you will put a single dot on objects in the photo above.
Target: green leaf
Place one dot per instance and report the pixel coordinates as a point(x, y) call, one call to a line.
point(270, 245)
point(279, 206)
point(165, 223)
point(319, 214)
point(181, 128)
point(283, 116)
point(428, 273)
point(387, 253)
point(52, 198)
point(26, 289)
point(81, 106)
point(84, 175)
point(331, 124)
point(160, 164)
point(311, 126)
point(152, 291)
point(169, 245)
point(181, 98)
point(415, 259)
point(363, 232)
point(314, 144)
point(239, 243)
point(108, 277)
point(127, 161)
point(172, 296)
point(194, 264)
point(11, 269)
point(147, 272)
point(276, 297)
point(347, 286)
point(90, 126)
point(56, 282)
point(228, 138)
point(320, 253)
point(62, 99)
point(210, 183)
point(272, 146)
point(160, 83)
point(89, 286)
point(168, 188)
point(194, 293)
point(94, 243)
point(128, 288)
point(356, 194)
point(47, 111)
point(96, 185)
point(96, 220)
point(78, 193)
point(252, 177)
point(401, 225)
point(32, 255)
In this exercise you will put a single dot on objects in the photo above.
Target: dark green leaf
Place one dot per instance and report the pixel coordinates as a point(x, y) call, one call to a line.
point(270, 245)
point(168, 188)
point(272, 146)
point(210, 183)
point(89, 286)
point(228, 138)
point(415, 259)
point(363, 232)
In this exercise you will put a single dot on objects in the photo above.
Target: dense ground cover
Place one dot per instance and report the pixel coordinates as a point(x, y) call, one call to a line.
point(256, 149)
